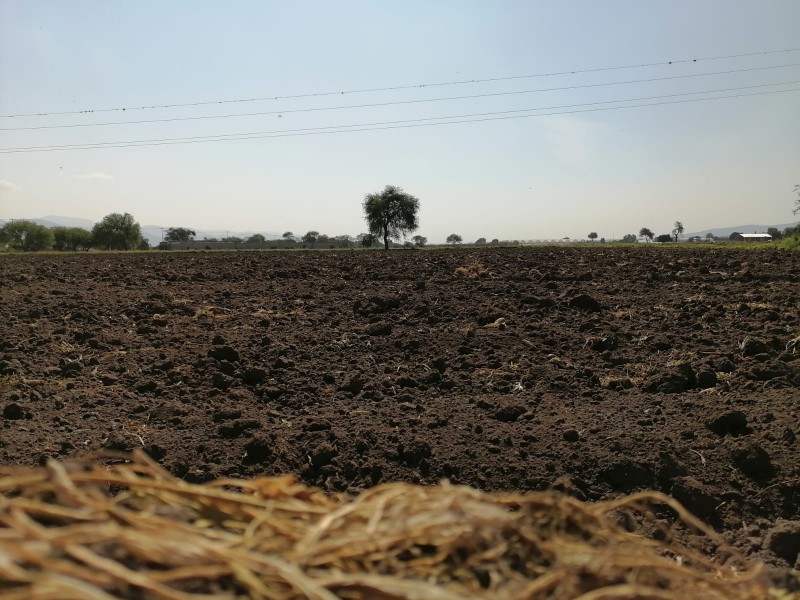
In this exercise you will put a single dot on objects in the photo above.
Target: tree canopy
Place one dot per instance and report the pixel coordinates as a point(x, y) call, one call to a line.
point(117, 232)
point(180, 234)
point(775, 233)
point(593, 235)
point(454, 238)
point(367, 240)
point(26, 236)
point(419, 240)
point(71, 238)
point(677, 231)
point(391, 213)
point(647, 234)
point(309, 237)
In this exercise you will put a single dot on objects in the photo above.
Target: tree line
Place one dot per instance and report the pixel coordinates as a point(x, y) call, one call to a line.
point(117, 231)
point(391, 215)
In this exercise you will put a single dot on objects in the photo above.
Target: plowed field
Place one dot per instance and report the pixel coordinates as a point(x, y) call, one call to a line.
point(597, 371)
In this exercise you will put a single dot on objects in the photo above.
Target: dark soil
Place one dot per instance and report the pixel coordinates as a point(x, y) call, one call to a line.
point(596, 371)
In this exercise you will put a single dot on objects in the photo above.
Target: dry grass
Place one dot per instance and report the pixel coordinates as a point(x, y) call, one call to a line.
point(622, 313)
point(681, 358)
point(207, 311)
point(492, 373)
point(616, 382)
point(472, 271)
point(132, 530)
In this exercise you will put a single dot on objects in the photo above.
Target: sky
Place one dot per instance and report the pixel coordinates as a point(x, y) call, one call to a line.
point(708, 163)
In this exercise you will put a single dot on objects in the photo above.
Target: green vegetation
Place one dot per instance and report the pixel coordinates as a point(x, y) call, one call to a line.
point(367, 240)
point(592, 236)
point(454, 239)
point(118, 232)
point(647, 234)
point(26, 236)
point(391, 213)
point(796, 200)
point(71, 239)
point(677, 231)
point(179, 234)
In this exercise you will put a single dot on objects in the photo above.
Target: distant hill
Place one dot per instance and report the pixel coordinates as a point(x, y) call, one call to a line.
point(65, 222)
point(56, 221)
point(726, 231)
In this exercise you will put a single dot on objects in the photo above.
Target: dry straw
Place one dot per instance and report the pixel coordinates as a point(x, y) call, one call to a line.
point(131, 530)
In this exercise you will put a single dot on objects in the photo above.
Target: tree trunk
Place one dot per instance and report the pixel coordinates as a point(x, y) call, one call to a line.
point(385, 238)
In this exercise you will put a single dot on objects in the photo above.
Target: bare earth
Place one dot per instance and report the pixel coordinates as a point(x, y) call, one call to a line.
point(598, 371)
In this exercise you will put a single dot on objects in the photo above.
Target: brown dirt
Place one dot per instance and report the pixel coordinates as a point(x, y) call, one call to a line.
point(594, 371)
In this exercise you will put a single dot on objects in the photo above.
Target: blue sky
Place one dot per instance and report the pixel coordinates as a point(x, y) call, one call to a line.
point(712, 163)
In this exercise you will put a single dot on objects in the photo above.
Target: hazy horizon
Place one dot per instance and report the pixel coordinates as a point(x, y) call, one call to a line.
point(705, 162)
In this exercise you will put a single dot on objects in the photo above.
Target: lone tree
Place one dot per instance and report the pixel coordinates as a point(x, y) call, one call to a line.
point(288, 236)
point(26, 236)
point(664, 238)
point(391, 214)
point(678, 230)
point(419, 240)
point(645, 233)
point(179, 234)
point(454, 239)
point(117, 232)
point(480, 241)
point(629, 238)
point(593, 236)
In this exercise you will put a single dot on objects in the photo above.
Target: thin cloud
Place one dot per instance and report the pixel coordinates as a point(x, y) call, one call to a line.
point(101, 176)
point(8, 186)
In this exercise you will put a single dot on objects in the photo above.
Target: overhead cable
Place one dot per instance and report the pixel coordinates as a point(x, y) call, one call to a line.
point(401, 87)
point(408, 123)
point(398, 102)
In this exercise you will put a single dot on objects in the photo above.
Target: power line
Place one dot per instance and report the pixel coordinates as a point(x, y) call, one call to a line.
point(402, 87)
point(482, 114)
point(409, 123)
point(401, 102)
